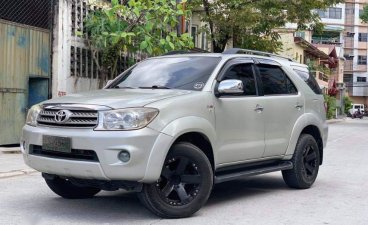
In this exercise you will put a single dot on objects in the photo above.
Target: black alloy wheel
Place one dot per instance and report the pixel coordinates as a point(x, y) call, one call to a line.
point(306, 160)
point(184, 185)
point(180, 181)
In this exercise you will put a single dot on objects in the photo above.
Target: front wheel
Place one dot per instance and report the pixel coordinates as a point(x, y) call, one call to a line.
point(306, 162)
point(184, 186)
point(67, 189)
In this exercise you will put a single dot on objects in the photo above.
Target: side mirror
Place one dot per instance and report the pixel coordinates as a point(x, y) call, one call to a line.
point(108, 83)
point(230, 87)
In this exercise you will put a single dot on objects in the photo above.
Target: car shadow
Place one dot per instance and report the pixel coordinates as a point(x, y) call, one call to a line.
point(124, 207)
point(245, 188)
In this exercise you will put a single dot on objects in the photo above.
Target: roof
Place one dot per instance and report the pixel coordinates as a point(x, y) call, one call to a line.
point(310, 48)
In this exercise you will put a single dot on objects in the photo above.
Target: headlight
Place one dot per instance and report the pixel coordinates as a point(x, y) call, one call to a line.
point(33, 114)
point(126, 119)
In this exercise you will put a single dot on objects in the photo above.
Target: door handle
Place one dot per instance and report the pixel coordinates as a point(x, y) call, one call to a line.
point(298, 106)
point(259, 108)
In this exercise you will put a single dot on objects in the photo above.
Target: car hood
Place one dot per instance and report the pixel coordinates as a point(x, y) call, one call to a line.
point(118, 98)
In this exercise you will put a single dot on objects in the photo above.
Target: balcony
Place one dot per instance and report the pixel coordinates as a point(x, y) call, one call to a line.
point(322, 78)
point(357, 88)
point(326, 41)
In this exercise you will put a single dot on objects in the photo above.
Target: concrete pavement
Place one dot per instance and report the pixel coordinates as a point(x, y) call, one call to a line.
point(12, 163)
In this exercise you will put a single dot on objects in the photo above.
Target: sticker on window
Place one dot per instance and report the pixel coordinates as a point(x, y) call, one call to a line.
point(198, 85)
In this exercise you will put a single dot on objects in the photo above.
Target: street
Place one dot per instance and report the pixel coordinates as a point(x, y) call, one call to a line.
point(339, 196)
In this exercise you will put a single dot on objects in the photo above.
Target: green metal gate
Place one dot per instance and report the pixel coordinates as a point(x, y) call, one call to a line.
point(24, 54)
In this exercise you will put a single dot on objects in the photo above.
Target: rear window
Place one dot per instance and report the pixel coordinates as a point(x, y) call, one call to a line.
point(310, 80)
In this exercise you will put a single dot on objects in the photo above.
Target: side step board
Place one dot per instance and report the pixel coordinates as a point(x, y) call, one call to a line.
point(253, 171)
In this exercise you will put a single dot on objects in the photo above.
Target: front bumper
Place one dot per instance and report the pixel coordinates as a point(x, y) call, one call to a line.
point(147, 148)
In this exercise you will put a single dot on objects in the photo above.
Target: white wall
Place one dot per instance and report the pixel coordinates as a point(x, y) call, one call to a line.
point(62, 82)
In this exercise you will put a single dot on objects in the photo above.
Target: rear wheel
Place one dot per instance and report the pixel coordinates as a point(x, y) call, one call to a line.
point(67, 189)
point(184, 186)
point(306, 162)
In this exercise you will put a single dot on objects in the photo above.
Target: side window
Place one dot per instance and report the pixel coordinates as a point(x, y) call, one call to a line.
point(309, 79)
point(275, 81)
point(243, 72)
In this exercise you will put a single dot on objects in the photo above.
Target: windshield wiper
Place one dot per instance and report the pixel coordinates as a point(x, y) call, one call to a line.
point(155, 87)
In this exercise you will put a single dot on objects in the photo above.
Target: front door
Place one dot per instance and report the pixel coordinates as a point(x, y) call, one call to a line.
point(240, 127)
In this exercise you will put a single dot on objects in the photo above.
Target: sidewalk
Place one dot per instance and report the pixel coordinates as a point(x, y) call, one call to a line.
point(12, 164)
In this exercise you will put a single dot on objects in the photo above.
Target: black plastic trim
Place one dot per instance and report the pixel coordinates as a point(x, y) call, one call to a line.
point(251, 171)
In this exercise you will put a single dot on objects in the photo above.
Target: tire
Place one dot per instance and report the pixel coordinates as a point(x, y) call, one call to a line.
point(306, 162)
point(184, 186)
point(66, 189)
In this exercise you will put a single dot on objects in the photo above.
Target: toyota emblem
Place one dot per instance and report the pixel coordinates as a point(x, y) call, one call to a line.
point(62, 116)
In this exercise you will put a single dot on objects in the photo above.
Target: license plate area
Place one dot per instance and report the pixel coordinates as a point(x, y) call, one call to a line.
point(56, 144)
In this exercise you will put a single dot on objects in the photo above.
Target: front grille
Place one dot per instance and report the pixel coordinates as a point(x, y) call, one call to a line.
point(77, 118)
point(76, 154)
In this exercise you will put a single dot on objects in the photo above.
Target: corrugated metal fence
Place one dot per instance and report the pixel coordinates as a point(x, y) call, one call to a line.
point(24, 54)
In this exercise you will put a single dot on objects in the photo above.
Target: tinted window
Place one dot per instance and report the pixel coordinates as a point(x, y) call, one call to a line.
point(186, 73)
point(310, 80)
point(275, 81)
point(243, 72)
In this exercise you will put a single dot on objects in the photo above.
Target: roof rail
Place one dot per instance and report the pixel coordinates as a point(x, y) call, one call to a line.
point(190, 51)
point(254, 52)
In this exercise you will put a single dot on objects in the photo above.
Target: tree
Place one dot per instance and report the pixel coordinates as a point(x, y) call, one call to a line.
point(253, 24)
point(132, 25)
point(364, 15)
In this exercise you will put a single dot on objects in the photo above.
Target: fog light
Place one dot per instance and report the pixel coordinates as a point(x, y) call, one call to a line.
point(124, 156)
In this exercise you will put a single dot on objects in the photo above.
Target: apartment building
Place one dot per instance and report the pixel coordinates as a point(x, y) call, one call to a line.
point(344, 28)
point(323, 59)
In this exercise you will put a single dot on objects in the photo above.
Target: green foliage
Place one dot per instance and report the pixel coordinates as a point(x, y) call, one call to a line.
point(331, 106)
point(314, 66)
point(253, 24)
point(145, 25)
point(364, 15)
point(347, 104)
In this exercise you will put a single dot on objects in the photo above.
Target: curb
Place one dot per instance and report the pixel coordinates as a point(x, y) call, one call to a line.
point(15, 173)
point(335, 121)
point(15, 150)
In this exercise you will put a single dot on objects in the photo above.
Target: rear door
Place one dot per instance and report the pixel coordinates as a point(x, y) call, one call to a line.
point(282, 104)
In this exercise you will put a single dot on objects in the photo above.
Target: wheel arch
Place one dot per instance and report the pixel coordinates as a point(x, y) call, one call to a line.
point(201, 141)
point(308, 124)
point(314, 131)
point(196, 129)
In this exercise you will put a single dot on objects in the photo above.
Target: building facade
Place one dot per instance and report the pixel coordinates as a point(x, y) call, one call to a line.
point(343, 27)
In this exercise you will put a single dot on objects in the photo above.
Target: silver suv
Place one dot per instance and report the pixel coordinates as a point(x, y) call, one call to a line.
point(171, 127)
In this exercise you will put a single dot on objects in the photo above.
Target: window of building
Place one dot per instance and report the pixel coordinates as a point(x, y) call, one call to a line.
point(300, 34)
point(275, 81)
point(361, 79)
point(322, 13)
point(362, 60)
point(363, 37)
point(204, 41)
point(330, 13)
point(348, 78)
point(335, 13)
point(194, 35)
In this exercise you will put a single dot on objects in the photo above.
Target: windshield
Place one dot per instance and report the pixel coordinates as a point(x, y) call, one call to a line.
point(186, 73)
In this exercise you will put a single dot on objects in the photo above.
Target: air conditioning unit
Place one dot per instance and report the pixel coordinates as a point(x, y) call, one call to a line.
point(350, 34)
point(349, 56)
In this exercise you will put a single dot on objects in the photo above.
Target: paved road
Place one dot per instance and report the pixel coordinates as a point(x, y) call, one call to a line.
point(339, 196)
